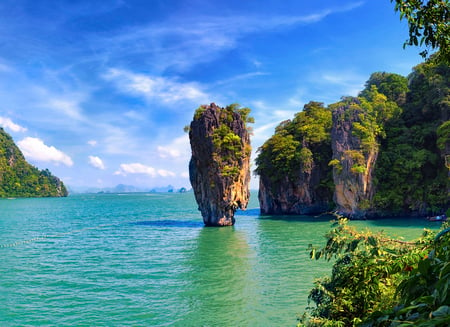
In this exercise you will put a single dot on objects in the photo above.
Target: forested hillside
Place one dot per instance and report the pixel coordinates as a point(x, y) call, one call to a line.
point(20, 179)
point(388, 149)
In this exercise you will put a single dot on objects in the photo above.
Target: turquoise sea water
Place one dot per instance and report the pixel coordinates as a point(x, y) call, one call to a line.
point(147, 260)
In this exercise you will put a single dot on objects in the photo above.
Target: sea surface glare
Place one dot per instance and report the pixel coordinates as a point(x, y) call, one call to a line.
point(147, 260)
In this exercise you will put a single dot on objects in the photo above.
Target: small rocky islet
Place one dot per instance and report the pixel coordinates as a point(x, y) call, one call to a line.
point(219, 168)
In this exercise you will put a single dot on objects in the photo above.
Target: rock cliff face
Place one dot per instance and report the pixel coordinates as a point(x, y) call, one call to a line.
point(294, 196)
point(219, 168)
point(353, 166)
point(389, 150)
point(295, 177)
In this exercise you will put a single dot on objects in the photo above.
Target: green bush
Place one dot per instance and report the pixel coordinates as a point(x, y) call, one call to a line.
point(380, 281)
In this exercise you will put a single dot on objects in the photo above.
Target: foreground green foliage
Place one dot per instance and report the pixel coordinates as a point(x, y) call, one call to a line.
point(19, 179)
point(379, 281)
point(428, 23)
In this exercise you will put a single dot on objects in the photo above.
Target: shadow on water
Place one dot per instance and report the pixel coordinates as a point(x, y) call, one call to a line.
point(248, 212)
point(170, 223)
point(388, 222)
point(298, 218)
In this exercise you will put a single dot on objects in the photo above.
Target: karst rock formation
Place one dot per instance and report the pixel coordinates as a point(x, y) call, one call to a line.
point(353, 176)
point(219, 168)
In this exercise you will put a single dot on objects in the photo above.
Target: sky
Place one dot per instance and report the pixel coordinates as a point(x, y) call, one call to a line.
point(99, 91)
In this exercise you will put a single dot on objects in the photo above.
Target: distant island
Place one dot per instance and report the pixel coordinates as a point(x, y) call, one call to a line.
point(122, 188)
point(20, 179)
point(383, 153)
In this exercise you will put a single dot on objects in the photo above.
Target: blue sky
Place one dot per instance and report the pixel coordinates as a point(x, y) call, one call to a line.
point(99, 91)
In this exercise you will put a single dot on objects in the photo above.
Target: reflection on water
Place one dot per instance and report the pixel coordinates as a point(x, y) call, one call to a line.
point(221, 290)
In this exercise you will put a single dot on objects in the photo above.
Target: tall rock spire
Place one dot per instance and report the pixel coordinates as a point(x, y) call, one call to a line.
point(219, 169)
point(354, 162)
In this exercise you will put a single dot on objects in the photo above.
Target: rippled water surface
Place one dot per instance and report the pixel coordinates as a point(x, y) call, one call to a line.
point(147, 260)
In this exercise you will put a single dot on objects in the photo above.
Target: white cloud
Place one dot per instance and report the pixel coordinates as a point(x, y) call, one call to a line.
point(35, 149)
point(135, 168)
point(346, 82)
point(138, 168)
point(117, 140)
point(96, 162)
point(134, 115)
point(178, 148)
point(201, 38)
point(9, 124)
point(69, 108)
point(92, 142)
point(297, 99)
point(166, 173)
point(241, 77)
point(5, 68)
point(156, 88)
point(165, 152)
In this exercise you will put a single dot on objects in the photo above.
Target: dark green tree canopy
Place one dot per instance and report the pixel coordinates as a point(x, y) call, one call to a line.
point(290, 147)
point(404, 119)
point(393, 86)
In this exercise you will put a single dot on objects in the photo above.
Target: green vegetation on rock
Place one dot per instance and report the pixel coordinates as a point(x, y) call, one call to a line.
point(297, 144)
point(401, 124)
point(219, 169)
point(411, 175)
point(230, 149)
point(20, 179)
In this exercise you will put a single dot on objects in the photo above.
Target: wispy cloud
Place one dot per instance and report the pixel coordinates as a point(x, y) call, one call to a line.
point(241, 77)
point(117, 140)
point(165, 173)
point(96, 162)
point(5, 68)
point(197, 39)
point(66, 107)
point(157, 88)
point(9, 124)
point(36, 149)
point(177, 149)
point(134, 115)
point(345, 82)
point(138, 168)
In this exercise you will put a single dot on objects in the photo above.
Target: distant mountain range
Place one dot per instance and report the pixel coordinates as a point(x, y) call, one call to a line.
point(122, 188)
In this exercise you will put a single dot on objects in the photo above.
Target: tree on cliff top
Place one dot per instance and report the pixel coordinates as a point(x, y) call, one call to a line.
point(296, 143)
point(393, 86)
point(410, 174)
